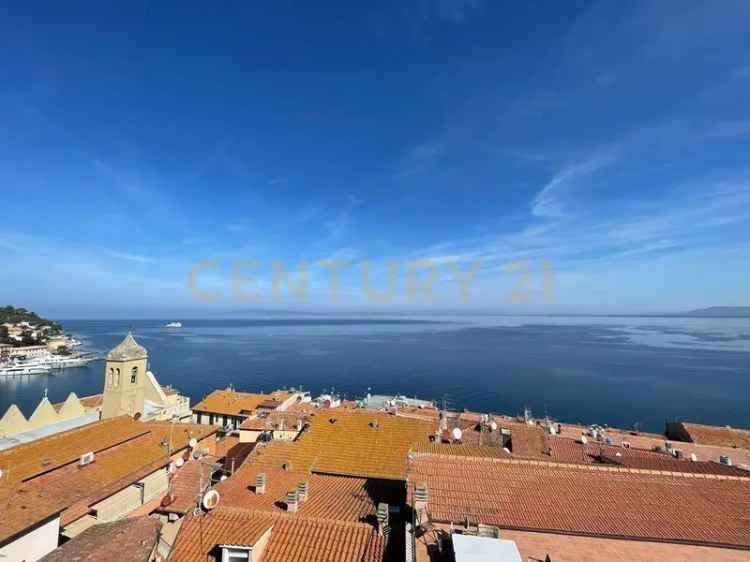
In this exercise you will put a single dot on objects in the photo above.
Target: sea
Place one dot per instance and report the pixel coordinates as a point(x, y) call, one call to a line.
point(620, 371)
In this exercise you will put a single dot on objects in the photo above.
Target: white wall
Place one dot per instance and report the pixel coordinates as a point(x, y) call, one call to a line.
point(32, 546)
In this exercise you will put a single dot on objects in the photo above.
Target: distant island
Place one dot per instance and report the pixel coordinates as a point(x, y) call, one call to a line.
point(720, 312)
point(21, 327)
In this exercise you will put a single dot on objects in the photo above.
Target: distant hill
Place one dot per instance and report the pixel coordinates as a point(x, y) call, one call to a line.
point(14, 315)
point(720, 311)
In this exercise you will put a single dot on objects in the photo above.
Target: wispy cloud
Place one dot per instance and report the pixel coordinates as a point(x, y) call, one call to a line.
point(138, 258)
point(549, 201)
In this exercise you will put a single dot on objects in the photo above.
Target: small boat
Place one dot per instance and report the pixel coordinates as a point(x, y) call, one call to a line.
point(174, 325)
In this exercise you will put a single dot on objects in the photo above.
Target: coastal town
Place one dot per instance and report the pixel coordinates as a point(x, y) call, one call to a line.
point(31, 345)
point(139, 473)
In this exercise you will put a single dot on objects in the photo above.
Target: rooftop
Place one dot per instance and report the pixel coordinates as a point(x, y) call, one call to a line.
point(93, 401)
point(536, 546)
point(362, 443)
point(275, 420)
point(718, 436)
point(127, 350)
point(126, 540)
point(233, 403)
point(292, 539)
point(48, 453)
point(126, 451)
point(587, 500)
point(330, 497)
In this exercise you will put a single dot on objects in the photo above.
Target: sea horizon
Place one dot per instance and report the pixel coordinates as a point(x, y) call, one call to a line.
point(614, 370)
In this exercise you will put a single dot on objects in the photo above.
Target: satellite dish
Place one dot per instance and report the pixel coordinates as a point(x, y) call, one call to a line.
point(493, 426)
point(693, 457)
point(179, 462)
point(210, 499)
point(192, 443)
point(457, 433)
point(584, 440)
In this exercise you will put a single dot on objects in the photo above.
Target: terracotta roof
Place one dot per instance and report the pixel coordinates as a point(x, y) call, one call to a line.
point(667, 463)
point(127, 350)
point(185, 485)
point(330, 497)
point(48, 453)
point(459, 449)
point(178, 435)
point(536, 546)
point(233, 403)
point(274, 420)
point(350, 442)
point(70, 489)
point(593, 501)
point(718, 436)
point(562, 449)
point(292, 539)
point(127, 540)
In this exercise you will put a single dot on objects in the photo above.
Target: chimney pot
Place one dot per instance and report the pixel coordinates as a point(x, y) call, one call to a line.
point(303, 490)
point(292, 501)
point(421, 497)
point(382, 515)
point(260, 484)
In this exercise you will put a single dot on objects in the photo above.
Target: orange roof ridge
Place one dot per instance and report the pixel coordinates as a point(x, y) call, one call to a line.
point(249, 513)
point(571, 466)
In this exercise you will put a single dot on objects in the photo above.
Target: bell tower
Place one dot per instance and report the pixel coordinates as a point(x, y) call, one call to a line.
point(124, 379)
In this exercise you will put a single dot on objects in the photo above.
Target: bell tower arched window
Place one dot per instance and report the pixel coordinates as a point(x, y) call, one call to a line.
point(134, 375)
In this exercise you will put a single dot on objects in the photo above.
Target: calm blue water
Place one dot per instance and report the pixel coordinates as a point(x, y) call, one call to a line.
point(607, 370)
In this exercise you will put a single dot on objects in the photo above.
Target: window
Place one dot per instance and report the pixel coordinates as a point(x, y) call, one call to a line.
point(134, 375)
point(235, 553)
point(117, 377)
point(111, 378)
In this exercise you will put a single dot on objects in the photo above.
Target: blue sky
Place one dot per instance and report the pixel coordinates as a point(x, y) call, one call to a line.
point(608, 140)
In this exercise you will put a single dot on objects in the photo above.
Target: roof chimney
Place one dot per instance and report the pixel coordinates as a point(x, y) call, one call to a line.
point(303, 490)
point(292, 501)
point(260, 484)
point(383, 527)
point(420, 497)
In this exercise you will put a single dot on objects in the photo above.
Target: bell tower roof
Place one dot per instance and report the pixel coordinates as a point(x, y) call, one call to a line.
point(127, 350)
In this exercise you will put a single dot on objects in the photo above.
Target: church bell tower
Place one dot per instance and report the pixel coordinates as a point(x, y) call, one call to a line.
point(124, 379)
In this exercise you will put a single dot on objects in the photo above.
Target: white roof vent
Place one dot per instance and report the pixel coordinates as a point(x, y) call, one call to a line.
point(457, 434)
point(86, 458)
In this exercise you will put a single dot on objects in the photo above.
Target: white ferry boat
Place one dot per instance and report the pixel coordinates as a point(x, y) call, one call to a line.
point(61, 361)
point(174, 325)
point(13, 370)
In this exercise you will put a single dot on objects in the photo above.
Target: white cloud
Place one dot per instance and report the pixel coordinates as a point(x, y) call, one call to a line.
point(138, 258)
point(549, 202)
